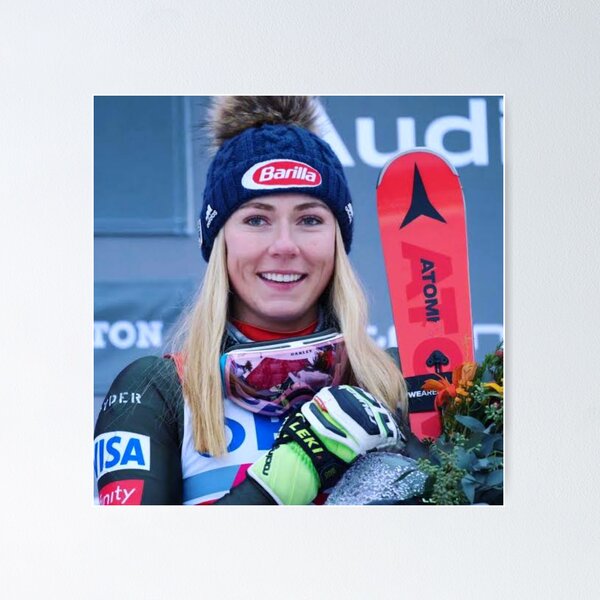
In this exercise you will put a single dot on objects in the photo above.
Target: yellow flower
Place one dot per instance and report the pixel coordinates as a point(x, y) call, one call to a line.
point(462, 376)
point(467, 373)
point(495, 387)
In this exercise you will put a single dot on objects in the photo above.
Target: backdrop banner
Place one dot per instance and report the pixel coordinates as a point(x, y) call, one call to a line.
point(132, 319)
point(141, 151)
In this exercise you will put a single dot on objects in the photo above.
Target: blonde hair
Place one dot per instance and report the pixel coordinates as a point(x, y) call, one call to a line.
point(200, 333)
point(373, 368)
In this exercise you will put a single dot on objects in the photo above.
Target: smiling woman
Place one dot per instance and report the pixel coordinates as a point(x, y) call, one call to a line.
point(273, 388)
point(280, 256)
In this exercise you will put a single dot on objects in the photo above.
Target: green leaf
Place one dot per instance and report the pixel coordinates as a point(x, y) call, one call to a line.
point(488, 443)
point(481, 465)
point(470, 423)
point(495, 478)
point(443, 445)
point(468, 485)
point(434, 459)
point(464, 459)
point(493, 463)
point(480, 478)
point(428, 486)
point(474, 439)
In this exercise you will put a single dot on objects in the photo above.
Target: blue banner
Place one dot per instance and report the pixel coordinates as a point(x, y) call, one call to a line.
point(131, 320)
point(141, 170)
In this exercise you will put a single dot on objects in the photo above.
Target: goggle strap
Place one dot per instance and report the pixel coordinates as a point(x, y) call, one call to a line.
point(329, 467)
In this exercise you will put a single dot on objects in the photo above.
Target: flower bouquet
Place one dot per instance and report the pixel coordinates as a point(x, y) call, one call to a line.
point(462, 466)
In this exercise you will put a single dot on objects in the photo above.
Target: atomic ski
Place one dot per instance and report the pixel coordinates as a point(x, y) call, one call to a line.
point(421, 212)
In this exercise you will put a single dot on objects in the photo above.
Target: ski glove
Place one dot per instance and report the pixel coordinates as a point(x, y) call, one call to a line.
point(316, 445)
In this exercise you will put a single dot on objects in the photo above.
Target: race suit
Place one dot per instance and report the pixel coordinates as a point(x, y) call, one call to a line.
point(144, 450)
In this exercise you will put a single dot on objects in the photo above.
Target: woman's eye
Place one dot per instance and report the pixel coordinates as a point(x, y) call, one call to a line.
point(255, 221)
point(311, 220)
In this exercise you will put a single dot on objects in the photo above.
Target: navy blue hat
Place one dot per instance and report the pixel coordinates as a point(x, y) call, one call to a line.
point(272, 159)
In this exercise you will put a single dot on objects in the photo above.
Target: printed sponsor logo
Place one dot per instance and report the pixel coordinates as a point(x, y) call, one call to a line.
point(248, 432)
point(127, 334)
point(211, 213)
point(280, 173)
point(121, 398)
point(120, 493)
point(267, 465)
point(430, 291)
point(474, 127)
point(438, 303)
point(306, 437)
point(420, 204)
point(421, 393)
point(349, 212)
point(118, 450)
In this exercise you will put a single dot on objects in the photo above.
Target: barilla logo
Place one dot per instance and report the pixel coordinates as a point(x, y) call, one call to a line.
point(119, 450)
point(280, 173)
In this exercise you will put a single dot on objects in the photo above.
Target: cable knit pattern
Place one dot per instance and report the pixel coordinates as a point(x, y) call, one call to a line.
point(224, 191)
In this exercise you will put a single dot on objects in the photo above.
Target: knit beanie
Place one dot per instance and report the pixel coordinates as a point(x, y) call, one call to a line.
point(269, 145)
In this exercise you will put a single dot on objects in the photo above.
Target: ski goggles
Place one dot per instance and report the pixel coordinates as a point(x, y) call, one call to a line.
point(271, 378)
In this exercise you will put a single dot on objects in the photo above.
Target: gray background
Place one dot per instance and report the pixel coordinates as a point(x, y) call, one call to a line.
point(56, 57)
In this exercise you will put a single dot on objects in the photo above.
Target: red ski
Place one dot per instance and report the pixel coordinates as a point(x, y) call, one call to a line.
point(421, 213)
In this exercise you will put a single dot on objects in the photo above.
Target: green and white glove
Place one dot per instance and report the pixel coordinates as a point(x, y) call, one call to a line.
point(316, 445)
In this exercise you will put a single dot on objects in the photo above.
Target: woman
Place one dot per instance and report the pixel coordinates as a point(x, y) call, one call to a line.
point(249, 408)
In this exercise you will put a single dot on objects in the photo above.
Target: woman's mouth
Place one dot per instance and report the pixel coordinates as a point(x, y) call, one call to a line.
point(282, 279)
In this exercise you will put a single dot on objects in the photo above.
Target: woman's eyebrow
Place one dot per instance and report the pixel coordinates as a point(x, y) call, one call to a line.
point(271, 207)
point(259, 206)
point(308, 205)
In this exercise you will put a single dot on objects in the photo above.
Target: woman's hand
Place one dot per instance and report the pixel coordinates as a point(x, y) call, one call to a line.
point(317, 445)
point(351, 421)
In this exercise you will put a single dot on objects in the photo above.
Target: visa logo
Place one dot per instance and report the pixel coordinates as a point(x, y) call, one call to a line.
point(117, 450)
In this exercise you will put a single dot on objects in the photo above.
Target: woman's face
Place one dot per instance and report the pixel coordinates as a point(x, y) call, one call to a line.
point(280, 258)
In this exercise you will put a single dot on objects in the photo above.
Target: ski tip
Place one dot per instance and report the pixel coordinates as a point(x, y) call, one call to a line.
point(415, 150)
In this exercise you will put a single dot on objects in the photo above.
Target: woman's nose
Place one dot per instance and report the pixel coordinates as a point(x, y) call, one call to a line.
point(283, 242)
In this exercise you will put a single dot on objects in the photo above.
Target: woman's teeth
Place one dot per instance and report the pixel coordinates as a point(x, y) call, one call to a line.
point(281, 277)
